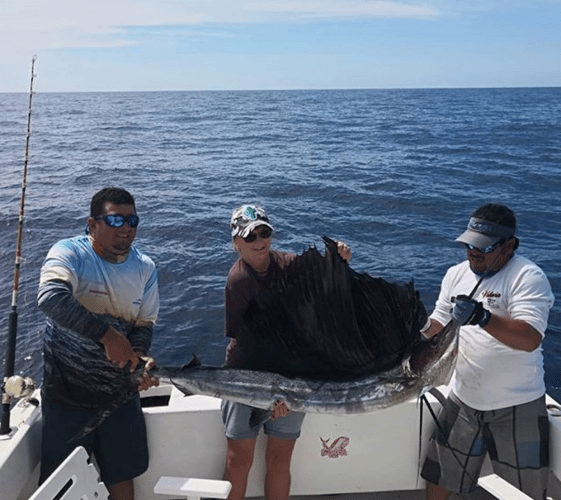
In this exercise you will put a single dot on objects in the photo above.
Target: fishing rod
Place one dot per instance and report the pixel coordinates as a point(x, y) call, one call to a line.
point(16, 386)
point(488, 270)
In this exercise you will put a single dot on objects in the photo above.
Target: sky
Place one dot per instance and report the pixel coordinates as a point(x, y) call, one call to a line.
point(132, 45)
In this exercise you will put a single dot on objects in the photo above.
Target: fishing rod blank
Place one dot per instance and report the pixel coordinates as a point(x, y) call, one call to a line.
point(9, 362)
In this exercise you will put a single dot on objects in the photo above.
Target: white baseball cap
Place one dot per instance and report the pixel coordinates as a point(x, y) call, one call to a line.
point(246, 218)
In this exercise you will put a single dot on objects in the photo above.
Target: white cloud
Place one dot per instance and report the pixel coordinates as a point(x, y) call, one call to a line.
point(71, 24)
point(29, 27)
point(338, 9)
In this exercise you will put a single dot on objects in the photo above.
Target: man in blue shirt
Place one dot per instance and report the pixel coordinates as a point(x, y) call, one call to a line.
point(100, 296)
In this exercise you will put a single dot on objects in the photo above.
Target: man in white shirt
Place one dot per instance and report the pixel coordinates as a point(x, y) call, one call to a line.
point(497, 401)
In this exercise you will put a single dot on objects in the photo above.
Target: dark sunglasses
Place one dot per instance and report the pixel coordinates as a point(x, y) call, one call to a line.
point(265, 234)
point(489, 249)
point(118, 220)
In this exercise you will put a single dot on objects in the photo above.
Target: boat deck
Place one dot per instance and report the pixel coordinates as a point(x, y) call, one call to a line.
point(554, 493)
point(186, 438)
point(480, 494)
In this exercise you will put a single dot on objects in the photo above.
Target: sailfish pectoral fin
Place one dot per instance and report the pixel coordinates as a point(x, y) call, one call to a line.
point(184, 390)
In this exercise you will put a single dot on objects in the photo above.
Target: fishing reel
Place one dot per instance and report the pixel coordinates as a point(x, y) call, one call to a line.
point(17, 387)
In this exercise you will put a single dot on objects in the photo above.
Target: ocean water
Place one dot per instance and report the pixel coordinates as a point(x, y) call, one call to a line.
point(394, 173)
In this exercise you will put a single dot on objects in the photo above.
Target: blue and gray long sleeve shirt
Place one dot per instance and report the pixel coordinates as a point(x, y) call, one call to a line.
point(82, 295)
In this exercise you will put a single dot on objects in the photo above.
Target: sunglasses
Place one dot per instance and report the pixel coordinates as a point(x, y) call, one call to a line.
point(118, 220)
point(489, 249)
point(265, 234)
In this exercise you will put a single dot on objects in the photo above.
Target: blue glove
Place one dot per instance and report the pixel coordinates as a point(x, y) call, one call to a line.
point(467, 311)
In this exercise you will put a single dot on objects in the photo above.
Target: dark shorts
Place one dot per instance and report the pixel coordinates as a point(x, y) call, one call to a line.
point(516, 438)
point(244, 422)
point(119, 444)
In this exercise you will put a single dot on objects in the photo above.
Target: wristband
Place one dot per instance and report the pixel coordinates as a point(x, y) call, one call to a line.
point(485, 319)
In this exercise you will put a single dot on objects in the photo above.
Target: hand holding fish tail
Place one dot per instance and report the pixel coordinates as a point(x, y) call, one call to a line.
point(147, 379)
point(118, 349)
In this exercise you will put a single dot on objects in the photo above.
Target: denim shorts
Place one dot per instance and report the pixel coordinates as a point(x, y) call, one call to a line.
point(516, 439)
point(245, 422)
point(119, 444)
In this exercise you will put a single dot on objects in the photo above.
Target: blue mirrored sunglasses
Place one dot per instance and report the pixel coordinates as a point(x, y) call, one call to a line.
point(489, 249)
point(118, 220)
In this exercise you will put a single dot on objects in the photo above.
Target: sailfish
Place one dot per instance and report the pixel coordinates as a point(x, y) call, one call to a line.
point(326, 339)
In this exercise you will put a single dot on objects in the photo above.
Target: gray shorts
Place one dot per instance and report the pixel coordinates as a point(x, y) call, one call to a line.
point(245, 422)
point(516, 438)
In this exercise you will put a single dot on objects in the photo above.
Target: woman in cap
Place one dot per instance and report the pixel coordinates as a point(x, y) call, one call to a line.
point(258, 268)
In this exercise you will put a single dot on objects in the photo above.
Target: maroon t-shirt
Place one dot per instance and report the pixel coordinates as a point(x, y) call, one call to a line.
point(242, 286)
